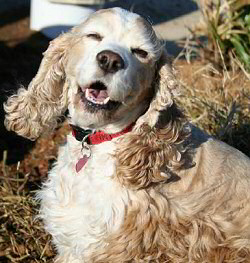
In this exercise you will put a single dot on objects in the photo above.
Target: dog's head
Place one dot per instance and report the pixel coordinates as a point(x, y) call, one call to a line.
point(111, 69)
point(106, 71)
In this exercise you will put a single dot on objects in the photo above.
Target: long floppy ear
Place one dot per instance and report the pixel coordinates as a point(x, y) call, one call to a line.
point(34, 111)
point(154, 150)
point(166, 88)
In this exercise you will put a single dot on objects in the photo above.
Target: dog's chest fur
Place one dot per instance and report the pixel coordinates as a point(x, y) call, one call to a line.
point(80, 209)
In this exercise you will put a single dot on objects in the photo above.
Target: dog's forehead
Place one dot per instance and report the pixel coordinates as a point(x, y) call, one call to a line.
point(116, 19)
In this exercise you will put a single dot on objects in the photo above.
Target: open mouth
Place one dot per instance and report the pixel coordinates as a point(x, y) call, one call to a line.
point(96, 97)
point(97, 93)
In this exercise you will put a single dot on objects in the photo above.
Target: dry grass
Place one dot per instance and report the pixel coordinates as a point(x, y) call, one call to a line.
point(218, 102)
point(22, 237)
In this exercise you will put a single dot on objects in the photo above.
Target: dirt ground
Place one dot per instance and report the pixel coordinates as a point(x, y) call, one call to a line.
point(212, 101)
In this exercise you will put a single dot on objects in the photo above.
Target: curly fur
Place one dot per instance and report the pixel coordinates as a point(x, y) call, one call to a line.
point(161, 235)
point(154, 149)
point(31, 112)
point(164, 192)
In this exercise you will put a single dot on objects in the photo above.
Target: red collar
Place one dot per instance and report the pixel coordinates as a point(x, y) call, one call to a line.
point(96, 137)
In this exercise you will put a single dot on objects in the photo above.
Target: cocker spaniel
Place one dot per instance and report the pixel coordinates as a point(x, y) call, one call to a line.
point(134, 182)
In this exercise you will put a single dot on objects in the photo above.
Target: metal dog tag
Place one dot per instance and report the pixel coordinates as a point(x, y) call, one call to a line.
point(86, 154)
point(81, 162)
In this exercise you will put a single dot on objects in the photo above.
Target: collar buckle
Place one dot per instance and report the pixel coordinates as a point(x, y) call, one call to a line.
point(81, 134)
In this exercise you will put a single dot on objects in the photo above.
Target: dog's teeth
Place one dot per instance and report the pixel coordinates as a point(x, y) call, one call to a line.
point(106, 100)
point(91, 99)
point(88, 97)
point(87, 93)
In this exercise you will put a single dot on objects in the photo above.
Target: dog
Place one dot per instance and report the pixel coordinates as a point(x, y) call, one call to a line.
point(135, 181)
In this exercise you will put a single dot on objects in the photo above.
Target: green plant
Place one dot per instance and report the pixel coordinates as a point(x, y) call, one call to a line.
point(227, 26)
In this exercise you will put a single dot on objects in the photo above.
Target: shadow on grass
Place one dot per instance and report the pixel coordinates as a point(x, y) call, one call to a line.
point(239, 137)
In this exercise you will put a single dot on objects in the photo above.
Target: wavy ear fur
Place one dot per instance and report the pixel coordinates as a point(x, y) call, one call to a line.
point(35, 110)
point(154, 150)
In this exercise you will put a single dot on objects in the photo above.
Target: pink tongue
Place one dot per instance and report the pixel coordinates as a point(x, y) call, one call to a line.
point(99, 95)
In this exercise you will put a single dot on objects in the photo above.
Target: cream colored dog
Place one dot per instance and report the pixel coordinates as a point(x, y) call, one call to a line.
point(134, 182)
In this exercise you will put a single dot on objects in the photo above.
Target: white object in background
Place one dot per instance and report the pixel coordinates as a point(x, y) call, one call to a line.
point(53, 18)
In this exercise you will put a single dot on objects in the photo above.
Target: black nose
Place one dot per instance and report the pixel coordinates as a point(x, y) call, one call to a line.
point(109, 61)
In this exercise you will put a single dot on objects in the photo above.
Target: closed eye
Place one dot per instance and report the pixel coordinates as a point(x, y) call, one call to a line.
point(95, 36)
point(139, 52)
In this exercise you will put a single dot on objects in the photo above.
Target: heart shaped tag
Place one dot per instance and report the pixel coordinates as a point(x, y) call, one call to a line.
point(81, 163)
